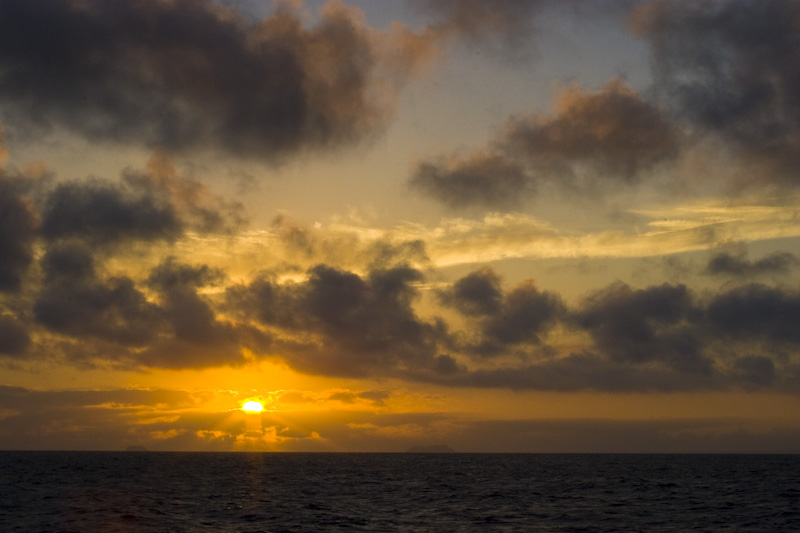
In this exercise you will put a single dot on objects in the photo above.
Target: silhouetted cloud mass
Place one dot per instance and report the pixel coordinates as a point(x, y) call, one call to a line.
point(14, 338)
point(480, 178)
point(195, 336)
point(656, 324)
point(157, 204)
point(610, 137)
point(726, 264)
point(521, 316)
point(103, 212)
point(344, 324)
point(759, 312)
point(76, 302)
point(17, 232)
point(191, 74)
point(728, 68)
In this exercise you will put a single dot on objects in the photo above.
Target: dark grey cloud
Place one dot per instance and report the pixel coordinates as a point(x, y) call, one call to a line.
point(115, 320)
point(102, 212)
point(345, 324)
point(656, 324)
point(77, 302)
point(612, 133)
point(738, 265)
point(18, 228)
point(589, 371)
point(757, 312)
point(479, 293)
point(14, 338)
point(595, 140)
point(729, 68)
point(488, 179)
point(521, 316)
point(155, 204)
point(197, 336)
point(191, 74)
point(755, 371)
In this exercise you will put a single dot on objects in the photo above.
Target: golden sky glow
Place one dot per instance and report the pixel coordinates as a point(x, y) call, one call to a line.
point(364, 226)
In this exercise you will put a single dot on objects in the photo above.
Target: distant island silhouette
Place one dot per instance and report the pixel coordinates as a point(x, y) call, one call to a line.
point(436, 448)
point(136, 448)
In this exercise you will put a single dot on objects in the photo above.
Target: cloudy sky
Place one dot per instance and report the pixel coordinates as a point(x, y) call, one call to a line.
point(513, 226)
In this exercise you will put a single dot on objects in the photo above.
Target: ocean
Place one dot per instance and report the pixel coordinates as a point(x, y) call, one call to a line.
point(280, 492)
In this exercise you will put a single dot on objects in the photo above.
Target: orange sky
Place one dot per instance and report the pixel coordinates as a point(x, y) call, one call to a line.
point(531, 226)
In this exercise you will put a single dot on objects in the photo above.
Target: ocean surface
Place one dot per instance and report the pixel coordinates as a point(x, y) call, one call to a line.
point(273, 492)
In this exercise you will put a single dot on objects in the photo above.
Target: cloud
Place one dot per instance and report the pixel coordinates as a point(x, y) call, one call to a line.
point(647, 325)
point(488, 179)
point(374, 397)
point(197, 336)
point(609, 137)
point(588, 372)
point(342, 324)
point(14, 339)
point(115, 320)
point(181, 421)
point(191, 74)
point(521, 316)
point(727, 68)
point(726, 264)
point(757, 312)
point(477, 294)
point(76, 302)
point(3, 150)
point(17, 232)
point(102, 212)
point(157, 204)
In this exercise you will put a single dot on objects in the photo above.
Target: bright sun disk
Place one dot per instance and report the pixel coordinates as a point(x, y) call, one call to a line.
point(252, 407)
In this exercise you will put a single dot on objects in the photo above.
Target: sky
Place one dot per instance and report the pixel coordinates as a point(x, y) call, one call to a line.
point(503, 226)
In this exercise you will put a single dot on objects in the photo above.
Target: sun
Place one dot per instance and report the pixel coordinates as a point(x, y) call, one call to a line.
point(252, 407)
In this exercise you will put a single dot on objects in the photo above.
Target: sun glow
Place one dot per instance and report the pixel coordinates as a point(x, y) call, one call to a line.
point(252, 407)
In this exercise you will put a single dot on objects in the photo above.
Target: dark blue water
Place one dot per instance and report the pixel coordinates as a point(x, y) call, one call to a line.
point(99, 491)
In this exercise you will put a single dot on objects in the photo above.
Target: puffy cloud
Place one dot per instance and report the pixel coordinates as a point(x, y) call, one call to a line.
point(477, 294)
point(343, 324)
point(190, 74)
point(482, 178)
point(728, 68)
point(726, 264)
point(611, 136)
point(640, 326)
point(613, 132)
point(521, 316)
point(758, 312)
point(18, 226)
point(102, 212)
point(14, 338)
point(197, 336)
point(74, 302)
point(156, 204)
